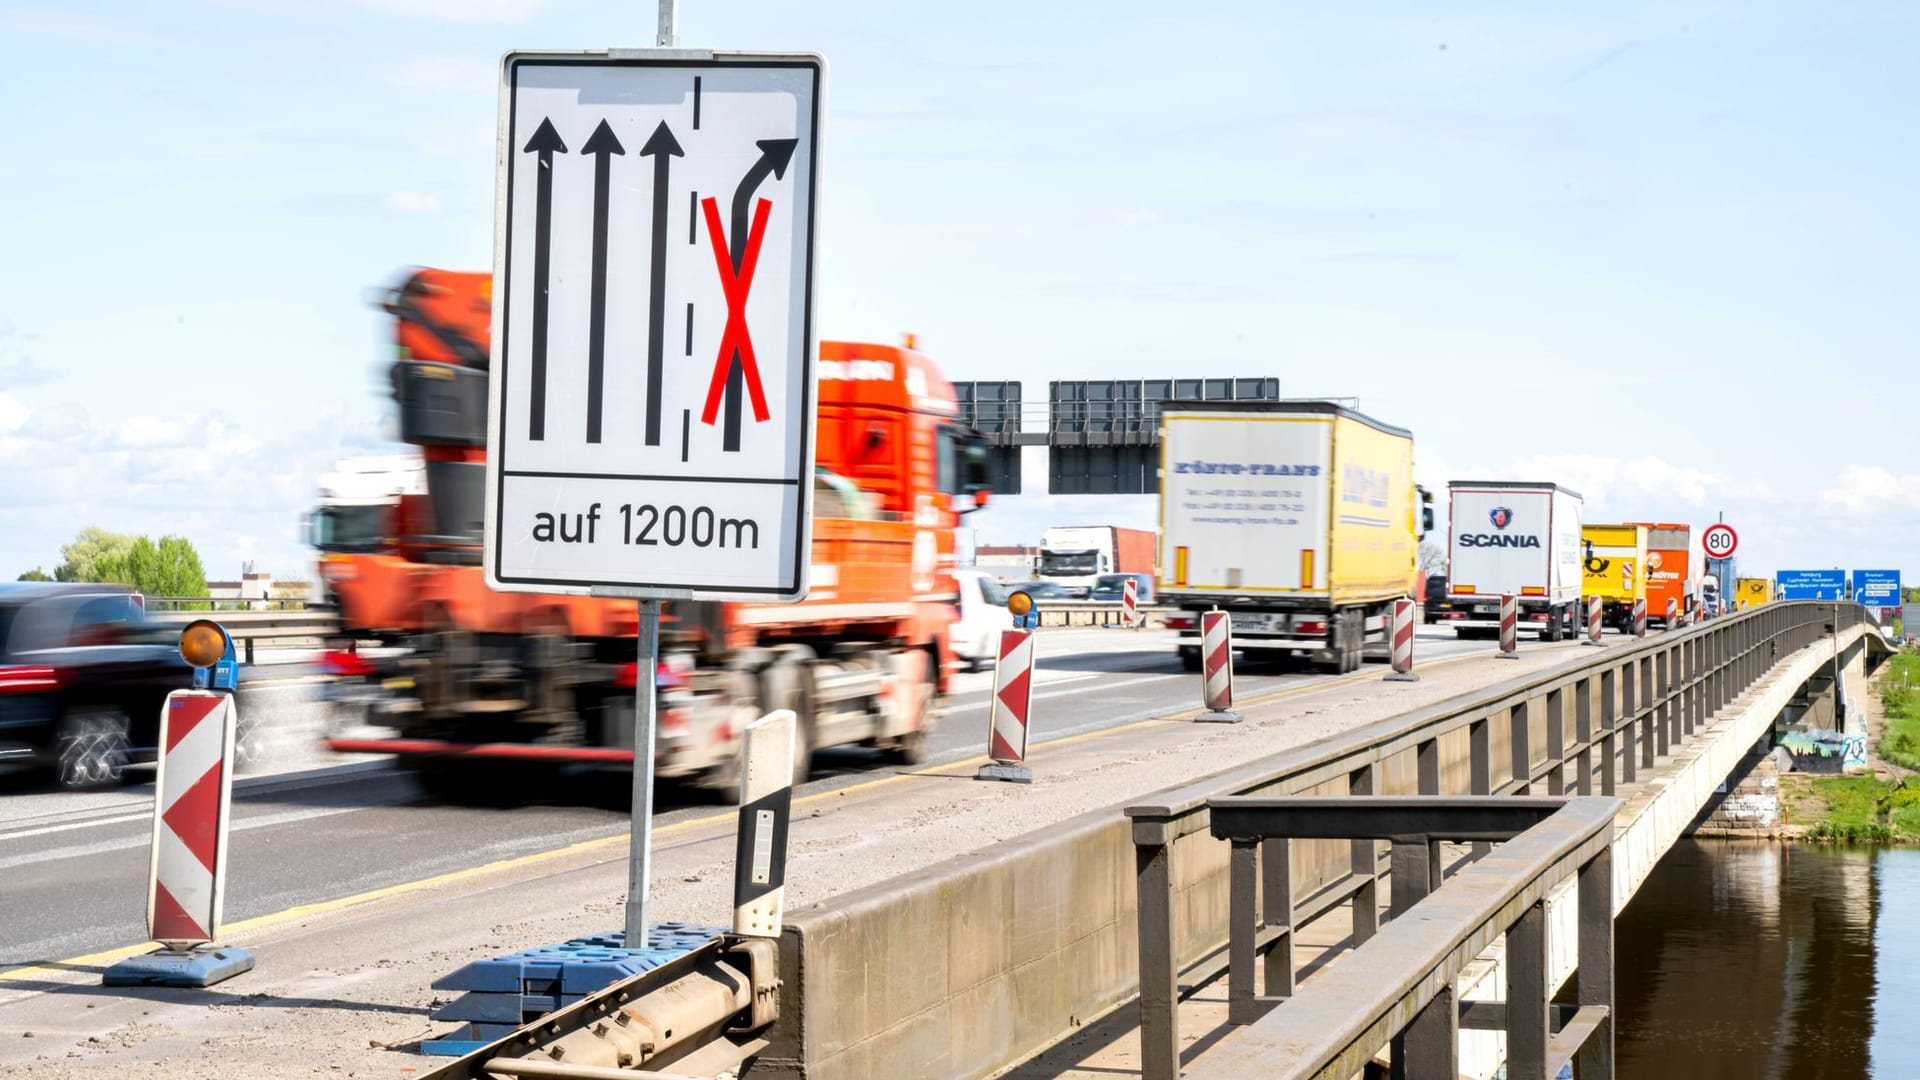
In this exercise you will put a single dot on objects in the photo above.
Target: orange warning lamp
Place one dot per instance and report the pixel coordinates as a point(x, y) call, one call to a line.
point(1020, 604)
point(203, 643)
point(910, 341)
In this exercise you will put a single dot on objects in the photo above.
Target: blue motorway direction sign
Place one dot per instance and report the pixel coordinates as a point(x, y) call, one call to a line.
point(1810, 585)
point(1877, 588)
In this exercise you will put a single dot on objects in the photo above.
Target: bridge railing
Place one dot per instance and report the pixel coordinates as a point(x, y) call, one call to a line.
point(1397, 989)
point(248, 628)
point(1580, 728)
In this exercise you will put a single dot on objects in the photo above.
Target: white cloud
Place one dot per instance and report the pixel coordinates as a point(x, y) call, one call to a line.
point(1622, 483)
point(1868, 489)
point(411, 202)
point(13, 415)
point(1134, 217)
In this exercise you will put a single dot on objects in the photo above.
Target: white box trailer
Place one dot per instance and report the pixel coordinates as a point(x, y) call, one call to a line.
point(1517, 538)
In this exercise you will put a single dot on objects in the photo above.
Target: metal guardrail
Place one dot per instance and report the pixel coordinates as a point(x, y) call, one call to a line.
point(1095, 613)
point(160, 604)
point(1630, 704)
point(1397, 989)
point(248, 627)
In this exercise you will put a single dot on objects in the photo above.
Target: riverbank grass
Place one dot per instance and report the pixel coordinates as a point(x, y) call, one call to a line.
point(1856, 810)
point(1900, 696)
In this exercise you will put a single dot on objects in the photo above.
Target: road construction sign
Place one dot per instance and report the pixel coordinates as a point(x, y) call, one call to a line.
point(651, 423)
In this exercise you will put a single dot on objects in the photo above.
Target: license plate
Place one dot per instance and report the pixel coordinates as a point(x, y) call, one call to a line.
point(1259, 624)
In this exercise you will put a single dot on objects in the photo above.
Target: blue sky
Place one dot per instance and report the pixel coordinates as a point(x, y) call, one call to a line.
point(1662, 253)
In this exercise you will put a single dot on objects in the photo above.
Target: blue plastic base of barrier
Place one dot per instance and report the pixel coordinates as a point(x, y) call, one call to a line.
point(163, 967)
point(466, 1038)
point(504, 992)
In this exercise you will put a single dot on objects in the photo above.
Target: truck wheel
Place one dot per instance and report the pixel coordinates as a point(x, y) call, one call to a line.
point(1356, 638)
point(789, 685)
point(1551, 632)
point(90, 747)
point(1189, 659)
point(917, 676)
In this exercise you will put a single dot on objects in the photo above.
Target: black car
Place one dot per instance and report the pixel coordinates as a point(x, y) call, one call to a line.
point(83, 677)
point(1436, 598)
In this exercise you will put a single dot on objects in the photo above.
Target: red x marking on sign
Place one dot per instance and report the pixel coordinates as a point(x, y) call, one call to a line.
point(735, 286)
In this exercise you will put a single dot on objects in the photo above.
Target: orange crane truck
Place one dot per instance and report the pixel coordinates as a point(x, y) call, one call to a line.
point(512, 677)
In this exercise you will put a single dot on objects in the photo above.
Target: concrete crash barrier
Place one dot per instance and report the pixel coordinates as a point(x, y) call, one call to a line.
point(972, 963)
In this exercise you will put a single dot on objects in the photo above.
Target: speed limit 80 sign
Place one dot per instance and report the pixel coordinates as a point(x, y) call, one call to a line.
point(1720, 540)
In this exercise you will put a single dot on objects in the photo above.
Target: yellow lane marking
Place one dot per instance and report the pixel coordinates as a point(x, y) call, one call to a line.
point(322, 907)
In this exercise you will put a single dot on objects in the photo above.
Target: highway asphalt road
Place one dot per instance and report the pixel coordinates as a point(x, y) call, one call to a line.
point(75, 864)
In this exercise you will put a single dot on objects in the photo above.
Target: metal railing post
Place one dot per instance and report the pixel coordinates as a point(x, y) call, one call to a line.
point(1609, 724)
point(1366, 863)
point(1243, 929)
point(1159, 974)
point(1520, 727)
point(1557, 741)
point(1583, 734)
point(1276, 910)
point(1663, 703)
point(1430, 1045)
point(1529, 993)
point(1595, 975)
point(1648, 707)
point(1629, 714)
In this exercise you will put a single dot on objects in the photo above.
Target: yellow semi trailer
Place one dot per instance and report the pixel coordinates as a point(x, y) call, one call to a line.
point(1301, 519)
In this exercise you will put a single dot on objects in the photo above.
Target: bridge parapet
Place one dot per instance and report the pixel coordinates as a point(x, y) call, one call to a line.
point(1584, 728)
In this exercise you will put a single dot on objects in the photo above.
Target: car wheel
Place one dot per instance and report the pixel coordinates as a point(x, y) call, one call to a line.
point(90, 747)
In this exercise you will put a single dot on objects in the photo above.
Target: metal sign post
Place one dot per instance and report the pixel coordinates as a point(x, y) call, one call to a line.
point(646, 705)
point(651, 415)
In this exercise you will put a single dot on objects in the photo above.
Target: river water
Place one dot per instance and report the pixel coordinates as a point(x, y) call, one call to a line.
point(1762, 961)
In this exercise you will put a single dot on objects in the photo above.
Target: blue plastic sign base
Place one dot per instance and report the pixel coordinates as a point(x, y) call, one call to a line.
point(164, 967)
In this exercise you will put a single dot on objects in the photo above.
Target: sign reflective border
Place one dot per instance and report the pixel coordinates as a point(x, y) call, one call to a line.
point(652, 410)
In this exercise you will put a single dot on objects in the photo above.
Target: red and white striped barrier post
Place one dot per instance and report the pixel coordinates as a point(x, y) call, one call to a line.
point(193, 789)
point(1216, 668)
point(1593, 621)
point(1009, 709)
point(1673, 614)
point(1640, 617)
point(1130, 604)
point(1699, 611)
point(1509, 627)
point(1402, 643)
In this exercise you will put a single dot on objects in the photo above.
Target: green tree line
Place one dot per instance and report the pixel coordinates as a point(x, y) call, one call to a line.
point(169, 566)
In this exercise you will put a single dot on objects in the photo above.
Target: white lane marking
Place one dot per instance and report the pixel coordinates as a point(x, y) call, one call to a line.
point(116, 819)
point(1042, 697)
point(264, 821)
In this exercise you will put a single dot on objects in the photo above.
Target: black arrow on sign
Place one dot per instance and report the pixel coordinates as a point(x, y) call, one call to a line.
point(545, 142)
point(602, 145)
point(662, 148)
point(775, 154)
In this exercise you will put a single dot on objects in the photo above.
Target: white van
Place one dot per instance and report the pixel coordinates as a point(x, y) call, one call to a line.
point(983, 614)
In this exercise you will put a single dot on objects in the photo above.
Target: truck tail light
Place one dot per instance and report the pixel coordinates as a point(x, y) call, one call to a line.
point(1309, 626)
point(1537, 617)
point(28, 679)
point(664, 677)
point(345, 665)
point(1179, 622)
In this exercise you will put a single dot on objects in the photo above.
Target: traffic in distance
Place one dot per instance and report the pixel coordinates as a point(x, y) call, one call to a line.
point(1301, 519)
